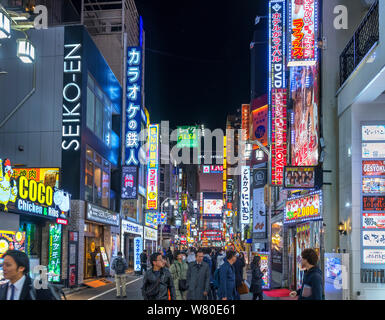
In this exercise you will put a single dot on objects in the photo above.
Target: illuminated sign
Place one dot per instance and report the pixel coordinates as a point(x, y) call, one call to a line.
point(373, 185)
point(213, 206)
point(373, 150)
point(373, 168)
point(10, 240)
point(373, 133)
point(373, 220)
point(374, 256)
point(152, 219)
point(303, 28)
point(129, 182)
point(260, 126)
point(212, 169)
point(259, 213)
point(245, 195)
point(47, 176)
point(131, 227)
point(187, 137)
point(373, 203)
point(301, 177)
point(265, 265)
point(138, 249)
point(54, 252)
point(150, 234)
point(279, 136)
point(304, 208)
point(133, 105)
point(245, 122)
point(152, 167)
point(102, 215)
point(373, 238)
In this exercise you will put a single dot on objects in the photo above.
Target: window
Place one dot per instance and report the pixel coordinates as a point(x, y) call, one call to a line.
point(97, 179)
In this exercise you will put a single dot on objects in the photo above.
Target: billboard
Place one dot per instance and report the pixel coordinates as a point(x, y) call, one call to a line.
point(373, 133)
point(260, 125)
point(278, 136)
point(129, 182)
point(138, 249)
point(245, 195)
point(133, 105)
point(373, 185)
point(213, 206)
point(245, 122)
point(188, 137)
point(373, 150)
point(304, 208)
point(259, 213)
point(373, 220)
point(276, 246)
point(373, 203)
point(213, 169)
point(373, 238)
point(300, 177)
point(47, 176)
point(152, 167)
point(305, 120)
point(303, 28)
point(373, 168)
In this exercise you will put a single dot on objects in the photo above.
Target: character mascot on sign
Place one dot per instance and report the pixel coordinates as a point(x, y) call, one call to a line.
point(7, 193)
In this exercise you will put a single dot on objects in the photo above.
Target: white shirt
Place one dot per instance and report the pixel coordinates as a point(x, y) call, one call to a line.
point(18, 287)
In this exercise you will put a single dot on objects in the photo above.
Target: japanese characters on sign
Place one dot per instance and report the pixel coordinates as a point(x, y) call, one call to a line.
point(373, 203)
point(54, 252)
point(245, 195)
point(129, 182)
point(303, 27)
point(373, 133)
point(265, 265)
point(47, 176)
point(279, 136)
point(259, 213)
point(102, 215)
point(373, 150)
point(133, 105)
point(374, 256)
point(152, 168)
point(373, 220)
point(260, 126)
point(245, 122)
point(373, 238)
point(187, 137)
point(373, 185)
point(138, 248)
point(304, 208)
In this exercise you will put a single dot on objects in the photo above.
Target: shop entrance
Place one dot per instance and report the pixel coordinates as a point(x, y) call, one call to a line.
point(129, 250)
point(93, 239)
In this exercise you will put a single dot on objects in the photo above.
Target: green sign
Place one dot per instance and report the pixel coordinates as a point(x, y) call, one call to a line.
point(54, 252)
point(187, 137)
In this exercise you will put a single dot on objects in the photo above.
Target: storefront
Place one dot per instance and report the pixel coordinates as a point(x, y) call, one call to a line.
point(100, 228)
point(130, 231)
point(304, 229)
point(150, 240)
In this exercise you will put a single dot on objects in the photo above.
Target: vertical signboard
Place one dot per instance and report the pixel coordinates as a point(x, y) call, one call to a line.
point(303, 27)
point(133, 105)
point(245, 195)
point(54, 252)
point(259, 214)
point(129, 182)
point(73, 247)
point(245, 122)
point(72, 109)
point(260, 123)
point(152, 168)
point(278, 137)
point(138, 248)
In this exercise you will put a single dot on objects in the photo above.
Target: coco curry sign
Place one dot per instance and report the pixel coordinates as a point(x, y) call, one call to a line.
point(24, 195)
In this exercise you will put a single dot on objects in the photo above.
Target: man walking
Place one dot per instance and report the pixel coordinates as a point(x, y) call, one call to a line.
point(227, 290)
point(157, 281)
point(119, 265)
point(198, 278)
point(143, 261)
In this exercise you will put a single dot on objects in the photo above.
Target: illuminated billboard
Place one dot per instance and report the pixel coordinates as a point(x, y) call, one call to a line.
point(373, 133)
point(373, 203)
point(212, 206)
point(306, 208)
point(260, 126)
point(47, 176)
point(187, 137)
point(245, 122)
point(245, 195)
point(373, 168)
point(213, 169)
point(305, 119)
point(373, 185)
point(54, 252)
point(129, 182)
point(303, 28)
point(152, 167)
point(302, 177)
point(278, 136)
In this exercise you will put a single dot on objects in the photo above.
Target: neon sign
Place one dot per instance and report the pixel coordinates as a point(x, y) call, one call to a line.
point(304, 208)
point(152, 172)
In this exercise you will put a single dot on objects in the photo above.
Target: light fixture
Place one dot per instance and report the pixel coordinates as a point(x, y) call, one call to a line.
point(259, 154)
point(25, 51)
point(342, 228)
point(5, 26)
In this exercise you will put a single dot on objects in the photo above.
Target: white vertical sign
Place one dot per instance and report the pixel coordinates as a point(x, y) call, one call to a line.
point(245, 195)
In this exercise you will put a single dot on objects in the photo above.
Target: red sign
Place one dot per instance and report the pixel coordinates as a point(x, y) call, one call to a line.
point(373, 203)
point(279, 136)
point(61, 221)
point(260, 117)
point(373, 168)
point(245, 121)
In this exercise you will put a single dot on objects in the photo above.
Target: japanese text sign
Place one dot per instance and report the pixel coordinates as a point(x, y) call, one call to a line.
point(304, 208)
point(54, 252)
point(245, 195)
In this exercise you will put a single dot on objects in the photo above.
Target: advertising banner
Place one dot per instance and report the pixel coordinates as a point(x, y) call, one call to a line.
point(152, 168)
point(131, 227)
point(213, 206)
point(245, 195)
point(133, 105)
point(276, 246)
point(259, 213)
point(303, 27)
point(47, 176)
point(138, 248)
point(129, 182)
point(152, 219)
point(260, 125)
point(265, 265)
point(373, 133)
point(373, 203)
point(102, 215)
point(187, 137)
point(373, 185)
point(245, 122)
point(373, 150)
point(300, 177)
point(304, 208)
point(373, 238)
point(373, 168)
point(278, 136)
point(54, 252)
point(373, 220)
point(150, 234)
point(73, 247)
point(305, 121)
point(374, 256)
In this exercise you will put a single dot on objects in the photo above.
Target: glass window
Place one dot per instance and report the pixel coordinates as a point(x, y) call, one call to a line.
point(98, 159)
point(98, 186)
point(105, 189)
point(90, 109)
point(99, 119)
point(90, 153)
point(89, 181)
point(90, 82)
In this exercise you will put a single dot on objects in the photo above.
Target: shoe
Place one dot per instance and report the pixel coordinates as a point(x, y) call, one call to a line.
point(118, 297)
point(124, 296)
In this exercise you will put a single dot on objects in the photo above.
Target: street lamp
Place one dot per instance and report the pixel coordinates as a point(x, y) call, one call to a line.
point(5, 26)
point(166, 204)
point(25, 51)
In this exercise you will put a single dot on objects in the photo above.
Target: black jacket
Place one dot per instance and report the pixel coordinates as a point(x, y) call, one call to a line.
point(165, 283)
point(143, 258)
point(313, 279)
point(256, 279)
point(239, 264)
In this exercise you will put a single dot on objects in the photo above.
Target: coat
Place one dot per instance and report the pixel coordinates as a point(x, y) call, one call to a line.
point(166, 283)
point(313, 279)
point(239, 264)
point(207, 259)
point(198, 280)
point(113, 266)
point(178, 272)
point(256, 279)
point(227, 287)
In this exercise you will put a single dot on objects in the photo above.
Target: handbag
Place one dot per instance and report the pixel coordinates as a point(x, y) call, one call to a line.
point(182, 283)
point(242, 288)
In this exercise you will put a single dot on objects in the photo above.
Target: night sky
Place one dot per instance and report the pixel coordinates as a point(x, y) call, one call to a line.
point(198, 58)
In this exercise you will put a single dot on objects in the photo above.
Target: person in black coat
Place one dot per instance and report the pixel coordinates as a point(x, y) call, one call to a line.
point(239, 264)
point(256, 278)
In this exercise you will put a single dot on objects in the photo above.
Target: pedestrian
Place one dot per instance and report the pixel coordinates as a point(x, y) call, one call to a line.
point(143, 261)
point(191, 255)
point(169, 256)
point(227, 289)
point(179, 275)
point(220, 258)
point(239, 264)
point(119, 265)
point(19, 285)
point(157, 281)
point(207, 258)
point(312, 288)
point(256, 278)
point(198, 278)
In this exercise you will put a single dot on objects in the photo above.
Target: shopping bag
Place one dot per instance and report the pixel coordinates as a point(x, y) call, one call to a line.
point(243, 289)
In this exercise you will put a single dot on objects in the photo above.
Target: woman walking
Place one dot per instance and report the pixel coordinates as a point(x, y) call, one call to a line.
point(256, 278)
point(179, 274)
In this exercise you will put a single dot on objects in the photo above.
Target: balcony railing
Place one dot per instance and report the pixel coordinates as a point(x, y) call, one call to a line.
point(363, 40)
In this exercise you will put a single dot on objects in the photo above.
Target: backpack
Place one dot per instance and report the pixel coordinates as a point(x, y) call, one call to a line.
point(120, 266)
point(216, 279)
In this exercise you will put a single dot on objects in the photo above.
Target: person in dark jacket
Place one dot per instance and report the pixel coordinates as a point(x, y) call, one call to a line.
point(256, 278)
point(312, 287)
point(198, 278)
point(227, 289)
point(143, 261)
point(157, 281)
point(239, 264)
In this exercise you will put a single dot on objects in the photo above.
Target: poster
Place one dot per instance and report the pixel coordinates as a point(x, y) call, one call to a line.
point(260, 126)
point(10, 240)
point(303, 208)
point(373, 220)
point(374, 256)
point(373, 203)
point(373, 238)
point(300, 177)
point(47, 176)
point(265, 265)
point(276, 246)
point(305, 135)
point(303, 242)
point(373, 168)
point(373, 185)
point(213, 206)
point(54, 252)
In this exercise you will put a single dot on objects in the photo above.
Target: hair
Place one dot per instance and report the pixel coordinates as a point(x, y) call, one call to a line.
point(21, 259)
point(230, 254)
point(177, 253)
point(206, 250)
point(120, 253)
point(256, 260)
point(200, 250)
point(310, 255)
point(154, 257)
